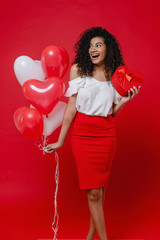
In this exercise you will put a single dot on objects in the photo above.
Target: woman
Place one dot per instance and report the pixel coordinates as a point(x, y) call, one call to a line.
point(92, 104)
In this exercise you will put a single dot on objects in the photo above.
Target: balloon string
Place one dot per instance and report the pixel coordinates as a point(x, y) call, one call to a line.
point(42, 143)
point(56, 216)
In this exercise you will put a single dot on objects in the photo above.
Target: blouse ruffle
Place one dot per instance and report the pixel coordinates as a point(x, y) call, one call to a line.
point(74, 86)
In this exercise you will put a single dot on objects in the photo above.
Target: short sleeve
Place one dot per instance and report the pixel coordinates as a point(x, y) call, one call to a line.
point(117, 97)
point(74, 86)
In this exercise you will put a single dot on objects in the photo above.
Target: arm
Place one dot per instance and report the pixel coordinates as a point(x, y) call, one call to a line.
point(69, 115)
point(117, 108)
point(124, 100)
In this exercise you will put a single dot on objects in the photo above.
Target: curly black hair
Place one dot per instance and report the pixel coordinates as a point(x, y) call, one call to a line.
point(113, 58)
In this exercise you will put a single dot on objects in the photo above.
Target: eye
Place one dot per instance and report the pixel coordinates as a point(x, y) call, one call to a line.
point(99, 45)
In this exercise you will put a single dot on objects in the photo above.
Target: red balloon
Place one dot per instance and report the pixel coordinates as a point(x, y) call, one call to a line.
point(29, 122)
point(54, 61)
point(43, 95)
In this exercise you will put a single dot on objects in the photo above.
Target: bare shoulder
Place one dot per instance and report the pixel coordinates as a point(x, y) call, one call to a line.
point(74, 72)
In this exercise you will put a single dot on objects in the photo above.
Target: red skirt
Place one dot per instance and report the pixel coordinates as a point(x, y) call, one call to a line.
point(93, 142)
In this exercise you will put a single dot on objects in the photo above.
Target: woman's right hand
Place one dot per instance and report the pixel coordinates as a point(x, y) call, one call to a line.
point(52, 147)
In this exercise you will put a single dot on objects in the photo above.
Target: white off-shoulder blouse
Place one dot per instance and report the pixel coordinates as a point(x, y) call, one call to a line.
point(94, 97)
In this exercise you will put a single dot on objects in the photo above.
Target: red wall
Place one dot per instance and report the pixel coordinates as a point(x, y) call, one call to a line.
point(27, 176)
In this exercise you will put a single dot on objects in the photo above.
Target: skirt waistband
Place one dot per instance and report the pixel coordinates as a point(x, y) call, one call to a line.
point(98, 126)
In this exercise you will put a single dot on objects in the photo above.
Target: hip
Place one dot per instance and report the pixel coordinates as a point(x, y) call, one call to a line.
point(96, 126)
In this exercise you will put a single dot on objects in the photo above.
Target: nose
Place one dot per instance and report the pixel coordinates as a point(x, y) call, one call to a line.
point(94, 48)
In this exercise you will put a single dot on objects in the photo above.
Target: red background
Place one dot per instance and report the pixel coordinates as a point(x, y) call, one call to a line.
point(27, 176)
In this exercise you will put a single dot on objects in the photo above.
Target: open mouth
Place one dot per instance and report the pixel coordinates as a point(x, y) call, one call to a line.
point(94, 56)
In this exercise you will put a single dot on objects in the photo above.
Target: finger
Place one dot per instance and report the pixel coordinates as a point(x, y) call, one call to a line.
point(133, 94)
point(129, 94)
point(132, 91)
point(52, 150)
point(136, 90)
point(49, 151)
point(48, 145)
point(139, 88)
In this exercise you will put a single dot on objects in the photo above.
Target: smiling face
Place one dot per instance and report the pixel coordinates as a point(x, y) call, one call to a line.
point(97, 50)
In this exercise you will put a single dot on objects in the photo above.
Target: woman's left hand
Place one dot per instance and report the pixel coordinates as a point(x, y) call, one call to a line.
point(131, 94)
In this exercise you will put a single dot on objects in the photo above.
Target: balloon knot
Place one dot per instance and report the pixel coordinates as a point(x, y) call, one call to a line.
point(41, 143)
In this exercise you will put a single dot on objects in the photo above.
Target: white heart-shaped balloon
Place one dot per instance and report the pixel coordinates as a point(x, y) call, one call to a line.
point(54, 119)
point(26, 68)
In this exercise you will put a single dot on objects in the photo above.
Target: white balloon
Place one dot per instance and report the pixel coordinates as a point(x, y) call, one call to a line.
point(26, 68)
point(54, 119)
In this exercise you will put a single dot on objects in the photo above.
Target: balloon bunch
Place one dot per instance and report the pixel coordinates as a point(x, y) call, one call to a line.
point(43, 87)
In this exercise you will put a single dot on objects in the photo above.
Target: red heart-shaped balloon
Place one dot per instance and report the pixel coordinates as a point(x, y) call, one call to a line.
point(29, 122)
point(54, 61)
point(43, 95)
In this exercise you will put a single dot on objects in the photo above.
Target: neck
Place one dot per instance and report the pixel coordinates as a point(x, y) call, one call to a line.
point(99, 67)
point(100, 70)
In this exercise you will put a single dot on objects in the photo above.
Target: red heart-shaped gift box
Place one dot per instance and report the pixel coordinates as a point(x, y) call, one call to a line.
point(123, 79)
